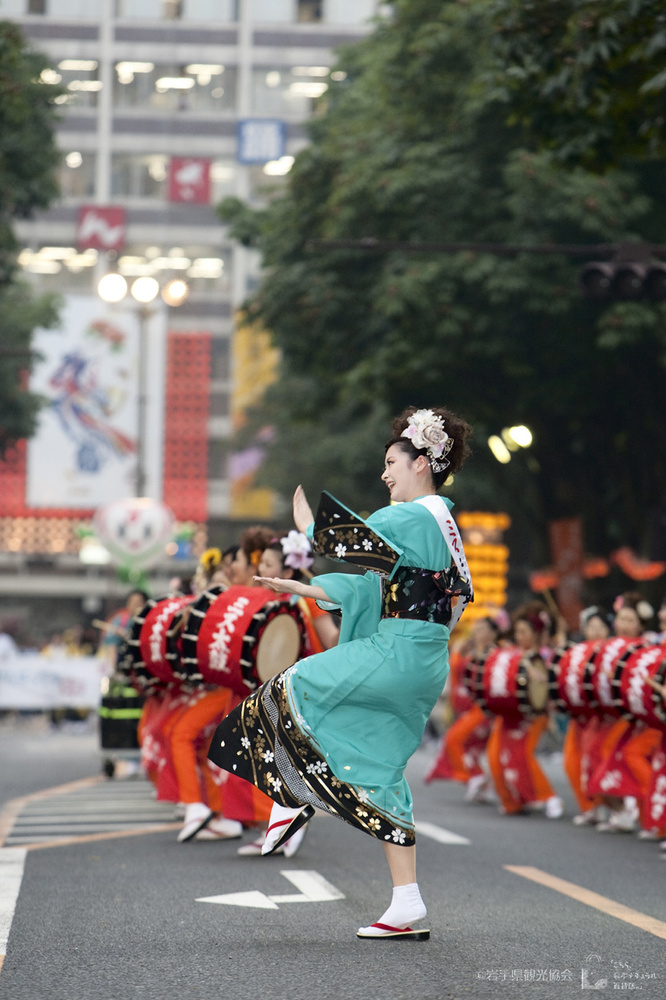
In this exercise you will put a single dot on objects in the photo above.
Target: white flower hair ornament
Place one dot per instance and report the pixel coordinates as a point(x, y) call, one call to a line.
point(296, 550)
point(426, 430)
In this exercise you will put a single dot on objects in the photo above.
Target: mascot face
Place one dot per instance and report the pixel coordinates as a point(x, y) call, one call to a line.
point(135, 530)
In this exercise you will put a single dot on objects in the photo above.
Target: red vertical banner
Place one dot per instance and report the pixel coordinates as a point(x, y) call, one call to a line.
point(12, 481)
point(566, 544)
point(187, 405)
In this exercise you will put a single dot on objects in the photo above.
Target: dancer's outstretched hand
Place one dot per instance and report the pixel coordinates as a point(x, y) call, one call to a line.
point(281, 586)
point(303, 515)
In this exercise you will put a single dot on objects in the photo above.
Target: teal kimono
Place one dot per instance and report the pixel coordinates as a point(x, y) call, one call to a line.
point(339, 727)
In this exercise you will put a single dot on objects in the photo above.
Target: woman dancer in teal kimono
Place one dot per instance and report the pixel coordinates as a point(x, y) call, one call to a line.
point(335, 730)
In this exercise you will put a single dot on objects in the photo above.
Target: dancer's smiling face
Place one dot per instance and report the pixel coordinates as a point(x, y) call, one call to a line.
point(406, 478)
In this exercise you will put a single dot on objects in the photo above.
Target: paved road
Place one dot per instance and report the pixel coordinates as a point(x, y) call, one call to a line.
point(120, 916)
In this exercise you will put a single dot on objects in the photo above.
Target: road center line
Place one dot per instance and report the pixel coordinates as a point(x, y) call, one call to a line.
point(577, 892)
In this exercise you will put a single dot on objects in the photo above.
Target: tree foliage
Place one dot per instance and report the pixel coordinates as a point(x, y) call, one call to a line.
point(21, 314)
point(420, 142)
point(28, 160)
point(587, 76)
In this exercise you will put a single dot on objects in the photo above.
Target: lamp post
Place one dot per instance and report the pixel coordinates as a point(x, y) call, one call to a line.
point(113, 288)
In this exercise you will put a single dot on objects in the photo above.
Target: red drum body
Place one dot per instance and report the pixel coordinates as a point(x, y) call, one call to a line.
point(631, 684)
point(569, 678)
point(512, 682)
point(600, 674)
point(241, 637)
point(462, 693)
point(152, 655)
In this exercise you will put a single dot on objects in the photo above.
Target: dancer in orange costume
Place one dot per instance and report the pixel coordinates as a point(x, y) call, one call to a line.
point(219, 807)
point(519, 781)
point(595, 626)
point(465, 740)
point(289, 558)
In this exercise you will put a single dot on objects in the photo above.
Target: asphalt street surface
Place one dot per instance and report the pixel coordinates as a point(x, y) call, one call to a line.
point(121, 917)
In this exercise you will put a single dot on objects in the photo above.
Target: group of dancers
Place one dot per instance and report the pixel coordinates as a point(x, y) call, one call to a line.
point(513, 681)
point(182, 707)
point(260, 710)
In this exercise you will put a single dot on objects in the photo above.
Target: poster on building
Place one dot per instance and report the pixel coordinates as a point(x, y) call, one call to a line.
point(189, 180)
point(260, 140)
point(255, 366)
point(101, 227)
point(86, 448)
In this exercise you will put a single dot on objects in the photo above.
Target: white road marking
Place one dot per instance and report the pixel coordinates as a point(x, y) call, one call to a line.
point(314, 888)
point(12, 862)
point(252, 898)
point(88, 810)
point(439, 834)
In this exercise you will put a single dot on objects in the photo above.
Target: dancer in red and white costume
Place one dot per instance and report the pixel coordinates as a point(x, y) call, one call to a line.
point(461, 757)
point(620, 749)
point(519, 780)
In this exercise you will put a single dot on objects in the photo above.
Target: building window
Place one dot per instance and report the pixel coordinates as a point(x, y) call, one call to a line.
point(65, 269)
point(60, 269)
point(187, 11)
point(219, 404)
point(172, 10)
point(218, 458)
point(204, 268)
point(198, 87)
point(139, 176)
point(77, 175)
point(36, 7)
point(77, 78)
point(288, 91)
point(220, 361)
point(309, 10)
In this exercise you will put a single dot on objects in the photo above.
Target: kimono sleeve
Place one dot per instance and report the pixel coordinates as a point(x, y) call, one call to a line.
point(359, 599)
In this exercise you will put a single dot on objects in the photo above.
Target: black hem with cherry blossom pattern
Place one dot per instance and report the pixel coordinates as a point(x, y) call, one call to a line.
point(261, 741)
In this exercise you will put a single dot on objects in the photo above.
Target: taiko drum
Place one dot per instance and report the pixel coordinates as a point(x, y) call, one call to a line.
point(240, 638)
point(569, 678)
point(601, 670)
point(512, 682)
point(637, 697)
point(152, 656)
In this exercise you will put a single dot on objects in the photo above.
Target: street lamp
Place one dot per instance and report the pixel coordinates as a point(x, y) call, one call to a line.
point(112, 288)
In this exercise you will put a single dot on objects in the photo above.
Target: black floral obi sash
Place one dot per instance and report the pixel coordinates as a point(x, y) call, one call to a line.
point(422, 594)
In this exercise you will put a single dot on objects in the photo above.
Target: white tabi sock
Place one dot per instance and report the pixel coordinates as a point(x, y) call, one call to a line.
point(406, 907)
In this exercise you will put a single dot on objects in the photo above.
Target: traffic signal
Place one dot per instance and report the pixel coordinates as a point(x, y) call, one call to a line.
point(622, 280)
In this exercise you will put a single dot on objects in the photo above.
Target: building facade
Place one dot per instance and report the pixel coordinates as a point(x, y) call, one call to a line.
point(167, 107)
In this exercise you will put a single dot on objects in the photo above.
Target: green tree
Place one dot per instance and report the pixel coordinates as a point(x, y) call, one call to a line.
point(586, 76)
point(28, 161)
point(21, 314)
point(416, 145)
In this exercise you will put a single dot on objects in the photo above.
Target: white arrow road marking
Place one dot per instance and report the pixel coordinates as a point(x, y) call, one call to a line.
point(439, 834)
point(252, 898)
point(12, 861)
point(314, 889)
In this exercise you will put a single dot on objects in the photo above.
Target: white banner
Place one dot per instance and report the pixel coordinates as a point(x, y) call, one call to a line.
point(85, 451)
point(31, 681)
